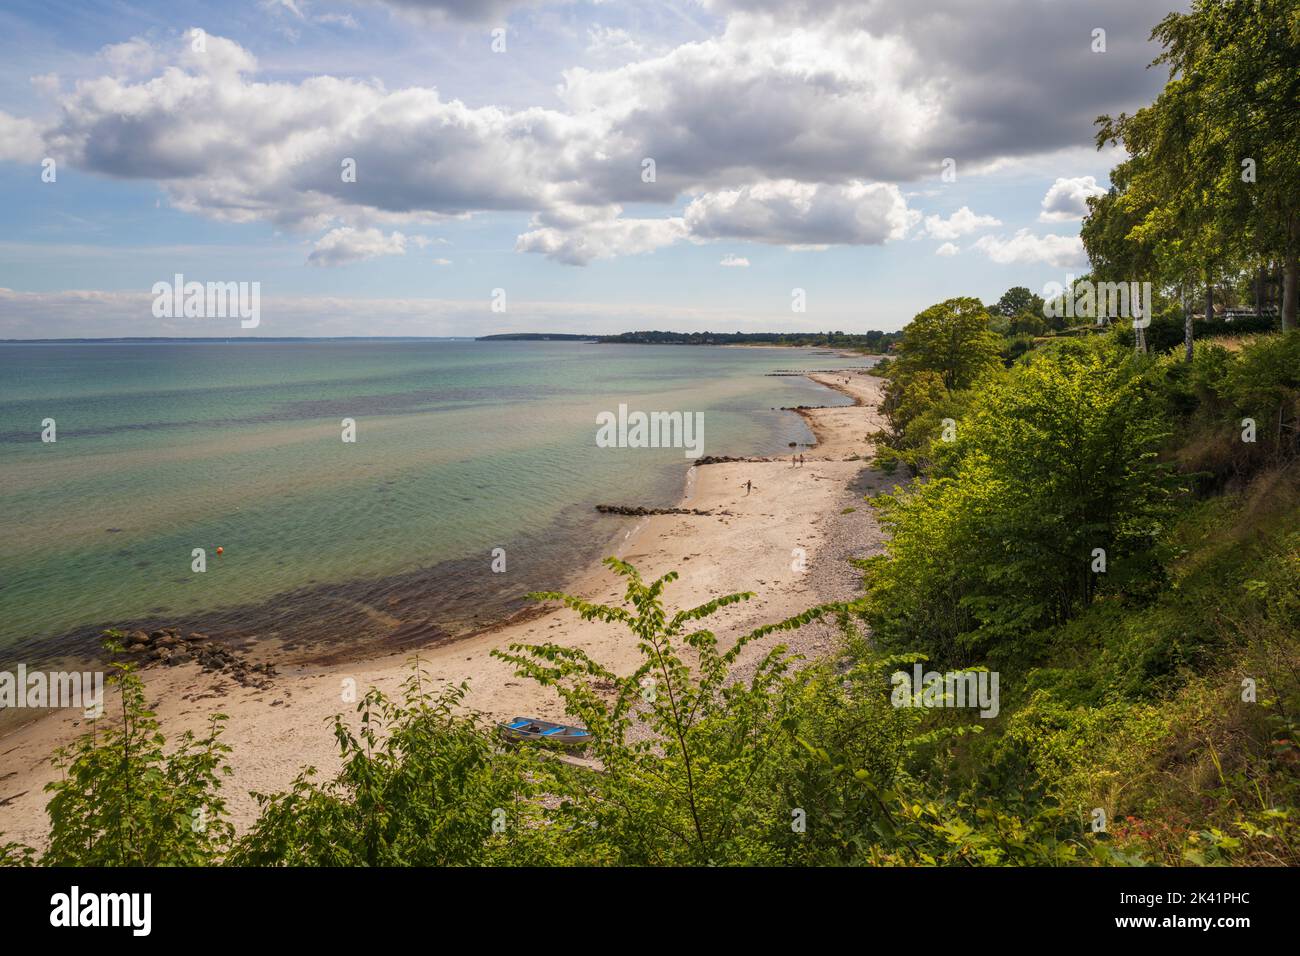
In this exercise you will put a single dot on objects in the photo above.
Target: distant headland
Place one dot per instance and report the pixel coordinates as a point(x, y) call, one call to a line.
point(873, 341)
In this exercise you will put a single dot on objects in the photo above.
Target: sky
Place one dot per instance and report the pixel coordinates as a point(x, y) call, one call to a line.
point(464, 167)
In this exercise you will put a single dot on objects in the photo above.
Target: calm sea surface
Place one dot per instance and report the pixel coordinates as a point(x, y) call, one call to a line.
point(462, 447)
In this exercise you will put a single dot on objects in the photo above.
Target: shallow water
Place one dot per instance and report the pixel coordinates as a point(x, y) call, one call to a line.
point(462, 447)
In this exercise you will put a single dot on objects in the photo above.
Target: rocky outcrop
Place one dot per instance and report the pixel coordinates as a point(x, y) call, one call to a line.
point(166, 647)
point(637, 511)
point(724, 459)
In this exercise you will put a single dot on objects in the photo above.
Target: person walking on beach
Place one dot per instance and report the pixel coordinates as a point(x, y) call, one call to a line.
point(800, 459)
point(749, 485)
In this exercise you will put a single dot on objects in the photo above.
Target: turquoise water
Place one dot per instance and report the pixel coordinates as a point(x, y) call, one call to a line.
point(461, 447)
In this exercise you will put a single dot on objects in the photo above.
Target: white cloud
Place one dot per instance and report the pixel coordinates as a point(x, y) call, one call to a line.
point(1067, 199)
point(341, 246)
point(300, 10)
point(576, 236)
point(235, 149)
point(736, 262)
point(821, 106)
point(793, 213)
point(799, 215)
point(947, 249)
point(960, 223)
point(20, 140)
point(1024, 248)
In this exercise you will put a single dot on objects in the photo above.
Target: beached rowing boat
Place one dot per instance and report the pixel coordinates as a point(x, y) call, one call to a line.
point(530, 728)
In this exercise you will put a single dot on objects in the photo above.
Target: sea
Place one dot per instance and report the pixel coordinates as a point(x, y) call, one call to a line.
point(472, 479)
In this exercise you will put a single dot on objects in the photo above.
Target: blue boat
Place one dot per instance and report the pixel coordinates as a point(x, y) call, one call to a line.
point(531, 728)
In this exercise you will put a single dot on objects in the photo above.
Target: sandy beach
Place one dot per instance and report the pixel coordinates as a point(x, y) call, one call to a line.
point(751, 541)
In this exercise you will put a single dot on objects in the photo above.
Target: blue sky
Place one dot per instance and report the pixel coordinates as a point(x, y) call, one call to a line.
point(802, 142)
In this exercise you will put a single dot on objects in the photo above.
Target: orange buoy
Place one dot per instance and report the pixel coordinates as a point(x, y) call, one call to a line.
point(220, 550)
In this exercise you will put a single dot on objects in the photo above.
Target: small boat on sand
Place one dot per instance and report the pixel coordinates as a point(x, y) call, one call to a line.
point(531, 728)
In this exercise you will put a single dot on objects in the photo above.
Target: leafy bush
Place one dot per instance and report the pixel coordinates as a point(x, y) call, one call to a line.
point(698, 787)
point(1166, 332)
point(420, 786)
point(1054, 460)
point(125, 801)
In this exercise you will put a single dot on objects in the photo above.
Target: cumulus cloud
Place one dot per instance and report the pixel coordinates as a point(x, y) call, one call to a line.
point(793, 213)
point(784, 212)
point(1067, 199)
point(735, 262)
point(20, 140)
point(815, 105)
point(960, 223)
point(1025, 248)
point(227, 146)
point(830, 91)
point(947, 249)
point(341, 246)
point(1008, 78)
point(575, 238)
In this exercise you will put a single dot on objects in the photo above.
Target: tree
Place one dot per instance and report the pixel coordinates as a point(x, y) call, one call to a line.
point(1017, 301)
point(1115, 253)
point(952, 338)
point(1212, 186)
point(1052, 461)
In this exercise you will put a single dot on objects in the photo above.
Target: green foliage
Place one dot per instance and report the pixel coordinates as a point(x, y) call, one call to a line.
point(696, 789)
point(420, 786)
point(1184, 207)
point(952, 339)
point(1053, 461)
point(1264, 383)
point(943, 351)
point(17, 854)
point(124, 800)
point(1138, 707)
point(1017, 301)
point(1166, 333)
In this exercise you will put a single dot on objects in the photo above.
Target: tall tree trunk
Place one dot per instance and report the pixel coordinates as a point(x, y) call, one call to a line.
point(1187, 325)
point(1259, 291)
